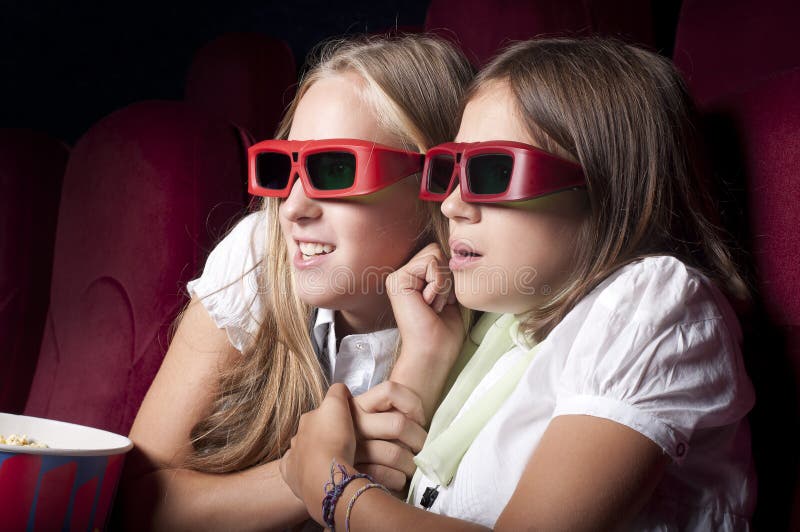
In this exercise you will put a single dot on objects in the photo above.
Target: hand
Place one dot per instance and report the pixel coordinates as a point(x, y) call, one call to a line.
point(430, 324)
point(424, 304)
point(324, 434)
point(388, 421)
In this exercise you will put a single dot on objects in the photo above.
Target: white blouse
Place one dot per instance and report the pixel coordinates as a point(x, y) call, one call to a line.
point(228, 289)
point(655, 347)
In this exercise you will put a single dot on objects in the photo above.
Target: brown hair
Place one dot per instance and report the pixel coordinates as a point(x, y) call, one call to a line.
point(415, 84)
point(624, 114)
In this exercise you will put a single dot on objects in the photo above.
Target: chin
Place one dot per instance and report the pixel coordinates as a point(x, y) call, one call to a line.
point(478, 301)
point(476, 298)
point(335, 297)
point(321, 296)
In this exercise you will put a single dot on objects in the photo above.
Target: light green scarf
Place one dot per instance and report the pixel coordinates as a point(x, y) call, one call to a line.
point(447, 440)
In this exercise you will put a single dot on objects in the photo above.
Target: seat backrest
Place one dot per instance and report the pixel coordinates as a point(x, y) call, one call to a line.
point(246, 78)
point(483, 28)
point(146, 193)
point(722, 46)
point(764, 161)
point(31, 169)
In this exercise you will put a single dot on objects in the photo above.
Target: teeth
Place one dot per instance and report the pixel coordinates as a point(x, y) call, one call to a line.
point(309, 249)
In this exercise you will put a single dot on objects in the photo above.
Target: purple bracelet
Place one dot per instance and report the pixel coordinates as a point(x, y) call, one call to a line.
point(334, 490)
point(355, 497)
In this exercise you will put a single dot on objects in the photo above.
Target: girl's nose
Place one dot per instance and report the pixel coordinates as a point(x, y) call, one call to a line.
point(458, 210)
point(298, 206)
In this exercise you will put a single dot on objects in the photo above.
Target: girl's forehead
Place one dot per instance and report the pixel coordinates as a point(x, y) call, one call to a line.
point(492, 114)
point(336, 107)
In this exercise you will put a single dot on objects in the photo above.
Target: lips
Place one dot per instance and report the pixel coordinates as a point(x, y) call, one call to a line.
point(311, 252)
point(463, 248)
point(463, 254)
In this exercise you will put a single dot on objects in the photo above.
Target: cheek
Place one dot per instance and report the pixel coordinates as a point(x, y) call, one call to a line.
point(286, 229)
point(389, 234)
point(547, 246)
point(380, 234)
point(553, 258)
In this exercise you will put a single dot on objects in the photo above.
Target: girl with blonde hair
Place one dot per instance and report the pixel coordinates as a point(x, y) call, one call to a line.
point(608, 389)
point(294, 298)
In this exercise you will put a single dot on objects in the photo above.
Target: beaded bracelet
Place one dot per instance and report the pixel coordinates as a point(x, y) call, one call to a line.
point(334, 490)
point(355, 496)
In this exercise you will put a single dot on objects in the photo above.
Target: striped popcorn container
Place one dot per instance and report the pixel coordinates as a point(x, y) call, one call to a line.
point(69, 485)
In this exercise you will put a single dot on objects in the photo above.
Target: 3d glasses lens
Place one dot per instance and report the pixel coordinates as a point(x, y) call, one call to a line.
point(273, 170)
point(489, 174)
point(440, 172)
point(331, 170)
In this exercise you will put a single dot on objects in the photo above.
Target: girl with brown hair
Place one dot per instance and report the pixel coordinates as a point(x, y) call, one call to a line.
point(608, 389)
point(294, 297)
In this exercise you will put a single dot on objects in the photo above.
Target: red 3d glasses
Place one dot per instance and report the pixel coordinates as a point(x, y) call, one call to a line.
point(331, 168)
point(496, 171)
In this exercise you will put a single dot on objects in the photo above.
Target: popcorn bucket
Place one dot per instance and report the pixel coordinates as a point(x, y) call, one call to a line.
point(70, 485)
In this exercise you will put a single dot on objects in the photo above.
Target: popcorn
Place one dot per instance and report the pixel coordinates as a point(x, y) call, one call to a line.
point(22, 441)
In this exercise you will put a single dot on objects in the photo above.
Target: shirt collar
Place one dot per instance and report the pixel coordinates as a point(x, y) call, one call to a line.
point(381, 344)
point(325, 317)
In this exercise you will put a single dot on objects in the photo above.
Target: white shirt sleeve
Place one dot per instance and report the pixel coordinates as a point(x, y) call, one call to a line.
point(228, 287)
point(658, 352)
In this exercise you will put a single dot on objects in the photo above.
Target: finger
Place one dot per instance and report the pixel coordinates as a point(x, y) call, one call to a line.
point(391, 478)
point(339, 391)
point(451, 298)
point(419, 264)
point(405, 280)
point(387, 454)
point(335, 405)
point(431, 278)
point(390, 395)
point(440, 278)
point(390, 426)
point(336, 401)
point(429, 293)
point(440, 300)
point(418, 272)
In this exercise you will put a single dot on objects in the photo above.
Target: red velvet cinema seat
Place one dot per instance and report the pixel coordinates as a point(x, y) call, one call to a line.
point(483, 28)
point(31, 169)
point(764, 162)
point(146, 193)
point(246, 78)
point(724, 45)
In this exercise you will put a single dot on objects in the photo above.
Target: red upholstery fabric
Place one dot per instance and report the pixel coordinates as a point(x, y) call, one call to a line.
point(723, 45)
point(482, 28)
point(31, 169)
point(246, 78)
point(766, 119)
point(146, 193)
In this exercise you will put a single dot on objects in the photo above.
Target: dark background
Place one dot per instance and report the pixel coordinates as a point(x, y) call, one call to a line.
point(65, 65)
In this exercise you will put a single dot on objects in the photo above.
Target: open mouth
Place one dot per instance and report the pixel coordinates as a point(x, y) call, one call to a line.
point(314, 249)
point(465, 253)
point(463, 249)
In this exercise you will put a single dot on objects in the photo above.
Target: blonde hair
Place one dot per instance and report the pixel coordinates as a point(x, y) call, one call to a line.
point(415, 84)
point(624, 114)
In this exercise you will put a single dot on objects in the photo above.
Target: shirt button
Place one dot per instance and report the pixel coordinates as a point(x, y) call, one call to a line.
point(680, 450)
point(359, 346)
